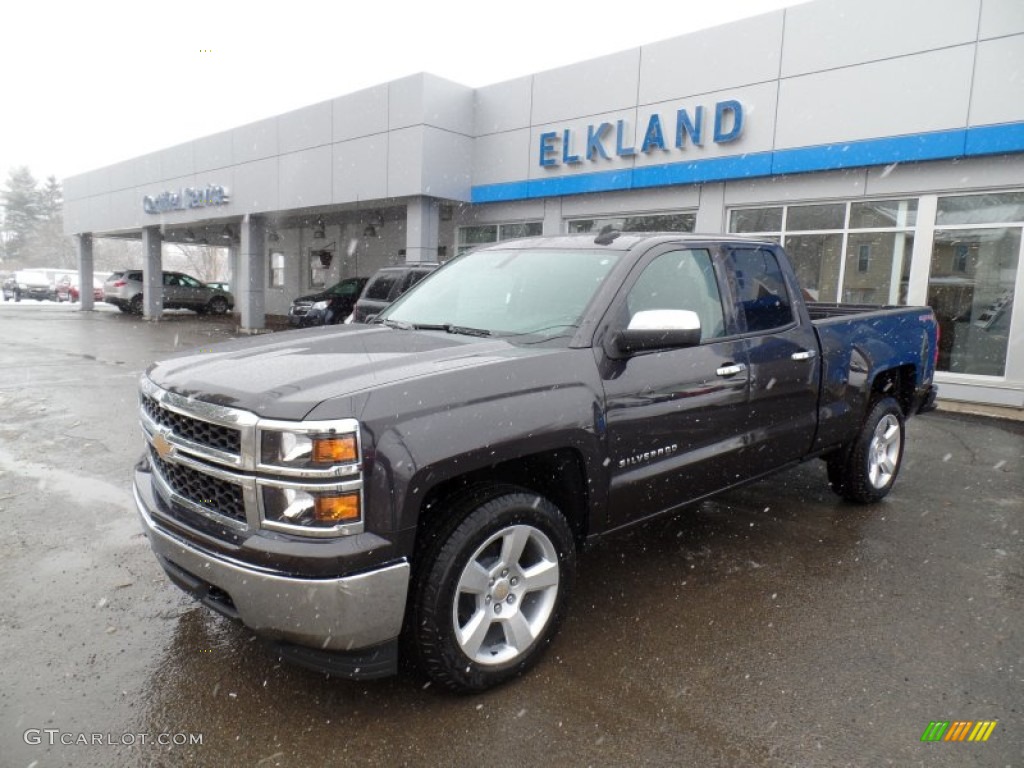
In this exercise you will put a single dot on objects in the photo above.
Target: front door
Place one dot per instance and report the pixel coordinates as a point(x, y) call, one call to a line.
point(674, 418)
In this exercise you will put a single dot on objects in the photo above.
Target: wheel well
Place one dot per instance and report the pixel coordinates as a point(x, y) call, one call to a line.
point(897, 383)
point(556, 475)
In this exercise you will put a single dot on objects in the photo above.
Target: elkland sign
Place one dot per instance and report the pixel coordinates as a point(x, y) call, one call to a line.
point(568, 147)
point(186, 198)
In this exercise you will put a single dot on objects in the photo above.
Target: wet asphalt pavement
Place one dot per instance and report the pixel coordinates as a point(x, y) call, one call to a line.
point(775, 626)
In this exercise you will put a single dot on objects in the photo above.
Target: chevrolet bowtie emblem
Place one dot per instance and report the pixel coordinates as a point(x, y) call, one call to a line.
point(163, 446)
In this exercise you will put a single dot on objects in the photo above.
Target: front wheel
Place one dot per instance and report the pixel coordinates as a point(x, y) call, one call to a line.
point(218, 305)
point(491, 590)
point(865, 472)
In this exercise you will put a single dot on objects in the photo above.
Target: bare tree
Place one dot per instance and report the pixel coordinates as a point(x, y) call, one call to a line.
point(205, 262)
point(114, 253)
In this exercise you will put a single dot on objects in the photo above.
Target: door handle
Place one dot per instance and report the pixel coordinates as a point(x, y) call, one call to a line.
point(731, 370)
point(807, 354)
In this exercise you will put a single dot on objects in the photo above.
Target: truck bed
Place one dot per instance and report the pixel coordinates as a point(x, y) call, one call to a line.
point(821, 310)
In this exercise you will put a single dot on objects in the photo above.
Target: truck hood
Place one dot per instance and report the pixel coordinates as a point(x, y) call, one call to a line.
point(286, 375)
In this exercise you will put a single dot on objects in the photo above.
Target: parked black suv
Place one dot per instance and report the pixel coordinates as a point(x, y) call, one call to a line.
point(385, 286)
point(328, 307)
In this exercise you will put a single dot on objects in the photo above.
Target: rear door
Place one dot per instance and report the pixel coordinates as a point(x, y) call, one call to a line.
point(193, 293)
point(675, 418)
point(781, 351)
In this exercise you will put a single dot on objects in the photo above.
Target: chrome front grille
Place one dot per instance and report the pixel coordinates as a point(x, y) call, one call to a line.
point(199, 432)
point(221, 497)
point(207, 466)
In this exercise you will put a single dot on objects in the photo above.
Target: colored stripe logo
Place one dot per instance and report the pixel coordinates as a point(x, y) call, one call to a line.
point(959, 730)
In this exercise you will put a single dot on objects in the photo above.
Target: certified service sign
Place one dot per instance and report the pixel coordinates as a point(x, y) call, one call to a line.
point(186, 198)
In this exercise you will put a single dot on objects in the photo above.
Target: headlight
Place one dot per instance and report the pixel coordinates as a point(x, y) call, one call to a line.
point(310, 477)
point(309, 510)
point(308, 450)
point(321, 305)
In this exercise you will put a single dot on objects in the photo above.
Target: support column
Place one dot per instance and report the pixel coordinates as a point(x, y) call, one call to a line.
point(552, 217)
point(152, 273)
point(85, 272)
point(252, 276)
point(711, 209)
point(233, 270)
point(421, 231)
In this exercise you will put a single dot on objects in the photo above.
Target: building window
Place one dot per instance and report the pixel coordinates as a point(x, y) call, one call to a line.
point(974, 263)
point(859, 251)
point(485, 234)
point(317, 269)
point(864, 257)
point(654, 222)
point(756, 220)
point(960, 260)
point(276, 269)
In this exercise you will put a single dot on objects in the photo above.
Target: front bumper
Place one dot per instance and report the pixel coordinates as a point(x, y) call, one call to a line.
point(357, 616)
point(312, 317)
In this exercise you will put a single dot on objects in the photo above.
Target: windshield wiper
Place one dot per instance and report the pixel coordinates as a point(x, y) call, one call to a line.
point(464, 331)
point(399, 324)
point(403, 325)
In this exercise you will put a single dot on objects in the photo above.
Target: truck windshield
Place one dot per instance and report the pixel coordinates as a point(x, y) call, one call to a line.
point(507, 292)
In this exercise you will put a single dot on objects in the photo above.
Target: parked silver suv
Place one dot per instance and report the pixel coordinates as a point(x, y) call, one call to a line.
point(124, 290)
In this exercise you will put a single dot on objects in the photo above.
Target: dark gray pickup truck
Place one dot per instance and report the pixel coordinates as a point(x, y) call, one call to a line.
point(426, 482)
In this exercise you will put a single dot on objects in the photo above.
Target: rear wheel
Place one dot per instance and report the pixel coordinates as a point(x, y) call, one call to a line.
point(491, 589)
point(135, 305)
point(866, 471)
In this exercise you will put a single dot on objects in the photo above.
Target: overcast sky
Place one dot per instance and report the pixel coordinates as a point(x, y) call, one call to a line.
point(87, 84)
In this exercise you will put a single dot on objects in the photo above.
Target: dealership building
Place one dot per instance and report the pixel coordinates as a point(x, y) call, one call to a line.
point(881, 143)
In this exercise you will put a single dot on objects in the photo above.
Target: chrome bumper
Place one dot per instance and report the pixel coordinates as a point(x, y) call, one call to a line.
point(340, 614)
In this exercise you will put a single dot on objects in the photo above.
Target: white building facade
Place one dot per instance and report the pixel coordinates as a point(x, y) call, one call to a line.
point(882, 143)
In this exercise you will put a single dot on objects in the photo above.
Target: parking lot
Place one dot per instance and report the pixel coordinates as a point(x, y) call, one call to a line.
point(774, 626)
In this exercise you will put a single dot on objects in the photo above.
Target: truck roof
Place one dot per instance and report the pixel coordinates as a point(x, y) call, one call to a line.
point(622, 241)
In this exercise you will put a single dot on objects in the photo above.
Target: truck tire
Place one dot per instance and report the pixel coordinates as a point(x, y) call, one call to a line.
point(491, 589)
point(866, 471)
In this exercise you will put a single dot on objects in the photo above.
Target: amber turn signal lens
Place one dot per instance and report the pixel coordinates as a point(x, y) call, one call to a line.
point(337, 509)
point(334, 450)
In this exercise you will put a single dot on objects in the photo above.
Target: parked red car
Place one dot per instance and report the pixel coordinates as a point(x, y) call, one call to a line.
point(67, 290)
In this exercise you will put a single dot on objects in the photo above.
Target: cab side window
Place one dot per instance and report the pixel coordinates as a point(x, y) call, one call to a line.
point(682, 279)
point(762, 299)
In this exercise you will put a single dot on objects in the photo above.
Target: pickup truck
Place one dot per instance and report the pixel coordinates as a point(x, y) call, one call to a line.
point(421, 486)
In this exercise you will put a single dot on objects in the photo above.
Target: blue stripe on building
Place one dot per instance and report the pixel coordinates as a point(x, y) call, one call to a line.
point(936, 145)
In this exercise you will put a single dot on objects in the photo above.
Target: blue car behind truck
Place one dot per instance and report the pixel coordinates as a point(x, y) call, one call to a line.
point(426, 482)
